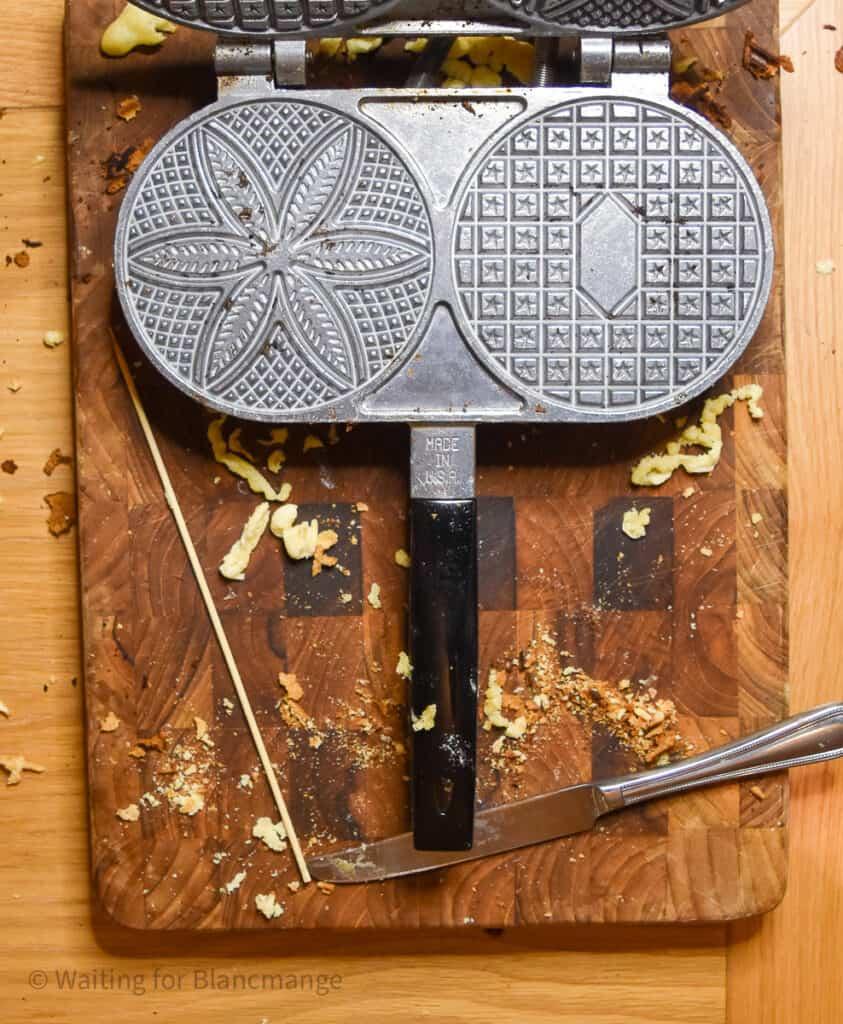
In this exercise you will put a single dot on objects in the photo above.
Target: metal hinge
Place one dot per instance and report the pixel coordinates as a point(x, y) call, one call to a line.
point(598, 60)
point(601, 58)
point(250, 69)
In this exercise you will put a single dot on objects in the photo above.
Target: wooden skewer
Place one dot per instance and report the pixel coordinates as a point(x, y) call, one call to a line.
point(213, 615)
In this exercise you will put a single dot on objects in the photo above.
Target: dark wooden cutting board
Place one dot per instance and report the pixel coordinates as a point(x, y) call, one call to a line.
point(712, 629)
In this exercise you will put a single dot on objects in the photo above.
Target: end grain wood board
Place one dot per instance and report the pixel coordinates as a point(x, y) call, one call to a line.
point(712, 629)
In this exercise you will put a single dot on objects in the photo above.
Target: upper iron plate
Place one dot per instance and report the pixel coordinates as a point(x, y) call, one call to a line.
point(256, 18)
point(614, 17)
point(557, 255)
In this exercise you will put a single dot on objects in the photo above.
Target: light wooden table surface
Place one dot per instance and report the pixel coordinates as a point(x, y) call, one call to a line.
point(783, 969)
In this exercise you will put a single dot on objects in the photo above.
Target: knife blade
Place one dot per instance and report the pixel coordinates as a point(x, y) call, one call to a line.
point(496, 830)
point(810, 737)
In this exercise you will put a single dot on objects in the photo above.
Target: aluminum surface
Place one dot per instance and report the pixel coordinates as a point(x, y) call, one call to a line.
point(255, 18)
point(442, 461)
point(266, 18)
point(496, 830)
point(614, 17)
point(548, 254)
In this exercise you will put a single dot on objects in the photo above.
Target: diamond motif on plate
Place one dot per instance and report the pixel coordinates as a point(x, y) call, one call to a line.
point(644, 253)
point(608, 251)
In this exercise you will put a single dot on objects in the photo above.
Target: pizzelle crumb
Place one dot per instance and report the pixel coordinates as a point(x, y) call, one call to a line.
point(635, 522)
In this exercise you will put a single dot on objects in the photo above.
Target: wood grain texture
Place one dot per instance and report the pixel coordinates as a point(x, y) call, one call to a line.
point(577, 974)
point(665, 610)
point(784, 967)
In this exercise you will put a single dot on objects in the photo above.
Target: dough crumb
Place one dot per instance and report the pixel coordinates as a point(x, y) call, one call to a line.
point(635, 522)
point(515, 730)
point(300, 540)
point(241, 467)
point(52, 339)
point(493, 704)
point(275, 460)
point(654, 470)
point(202, 733)
point(283, 518)
point(425, 721)
point(132, 28)
point(404, 667)
point(62, 506)
point(236, 445)
point(15, 765)
point(268, 905)
point(128, 108)
point(111, 723)
point(235, 563)
point(374, 597)
point(235, 883)
point(403, 559)
point(336, 48)
point(190, 803)
point(479, 60)
point(290, 685)
point(312, 441)
point(756, 518)
point(130, 813)
point(277, 435)
point(325, 540)
point(54, 460)
point(706, 552)
point(272, 834)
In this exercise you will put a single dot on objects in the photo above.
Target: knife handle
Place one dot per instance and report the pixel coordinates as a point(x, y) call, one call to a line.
point(808, 738)
point(443, 652)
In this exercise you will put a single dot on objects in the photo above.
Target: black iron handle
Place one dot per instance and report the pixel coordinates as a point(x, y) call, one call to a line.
point(443, 652)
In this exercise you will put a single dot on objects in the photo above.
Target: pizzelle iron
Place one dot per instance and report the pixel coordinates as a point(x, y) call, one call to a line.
point(444, 258)
point(254, 19)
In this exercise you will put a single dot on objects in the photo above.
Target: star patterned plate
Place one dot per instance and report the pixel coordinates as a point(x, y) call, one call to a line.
point(611, 255)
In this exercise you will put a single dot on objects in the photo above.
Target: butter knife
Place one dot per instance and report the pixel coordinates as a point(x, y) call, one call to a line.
point(808, 738)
